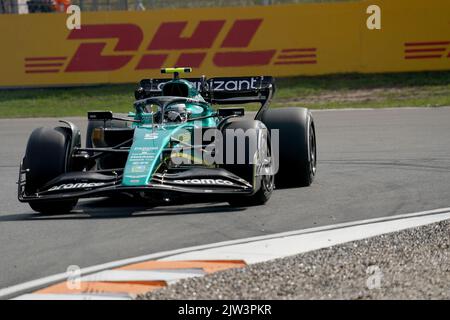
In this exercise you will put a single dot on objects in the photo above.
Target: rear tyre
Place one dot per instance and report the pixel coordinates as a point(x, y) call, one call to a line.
point(46, 158)
point(297, 158)
point(263, 184)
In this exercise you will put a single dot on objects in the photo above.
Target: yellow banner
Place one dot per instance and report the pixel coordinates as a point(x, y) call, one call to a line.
point(282, 40)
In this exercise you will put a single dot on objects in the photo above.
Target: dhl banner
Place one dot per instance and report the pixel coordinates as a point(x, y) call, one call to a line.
point(281, 40)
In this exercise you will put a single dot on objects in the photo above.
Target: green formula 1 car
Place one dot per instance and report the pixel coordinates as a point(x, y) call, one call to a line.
point(174, 148)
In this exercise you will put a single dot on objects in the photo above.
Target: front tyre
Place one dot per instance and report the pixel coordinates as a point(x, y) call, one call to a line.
point(53, 206)
point(46, 158)
point(259, 198)
point(254, 158)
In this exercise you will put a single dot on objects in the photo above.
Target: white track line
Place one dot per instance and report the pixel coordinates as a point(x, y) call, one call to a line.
point(397, 223)
point(143, 275)
point(74, 296)
point(264, 250)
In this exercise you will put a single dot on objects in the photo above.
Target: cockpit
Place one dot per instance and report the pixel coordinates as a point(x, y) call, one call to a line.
point(174, 113)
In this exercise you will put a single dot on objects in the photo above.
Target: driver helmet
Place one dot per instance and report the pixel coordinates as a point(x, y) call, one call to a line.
point(176, 112)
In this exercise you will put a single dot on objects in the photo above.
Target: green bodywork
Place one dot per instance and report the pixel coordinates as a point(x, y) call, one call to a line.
point(150, 140)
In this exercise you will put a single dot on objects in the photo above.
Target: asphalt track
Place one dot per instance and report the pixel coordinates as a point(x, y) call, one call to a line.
point(372, 163)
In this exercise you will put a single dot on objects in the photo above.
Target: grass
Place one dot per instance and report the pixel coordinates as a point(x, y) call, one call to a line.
point(424, 89)
point(420, 89)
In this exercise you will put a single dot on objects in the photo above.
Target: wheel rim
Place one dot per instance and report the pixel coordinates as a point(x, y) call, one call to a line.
point(312, 151)
point(267, 182)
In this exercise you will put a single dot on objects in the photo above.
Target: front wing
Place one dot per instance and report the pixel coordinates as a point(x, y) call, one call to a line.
point(197, 183)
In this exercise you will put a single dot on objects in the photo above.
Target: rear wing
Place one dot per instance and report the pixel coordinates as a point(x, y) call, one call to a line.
point(223, 90)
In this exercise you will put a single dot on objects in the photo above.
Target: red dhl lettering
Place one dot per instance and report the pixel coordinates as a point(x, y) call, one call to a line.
point(168, 37)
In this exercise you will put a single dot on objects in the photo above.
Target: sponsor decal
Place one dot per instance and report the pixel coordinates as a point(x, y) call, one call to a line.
point(168, 38)
point(205, 181)
point(151, 136)
point(167, 41)
point(183, 137)
point(427, 50)
point(136, 176)
point(137, 169)
point(249, 83)
point(234, 85)
point(82, 185)
point(145, 149)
